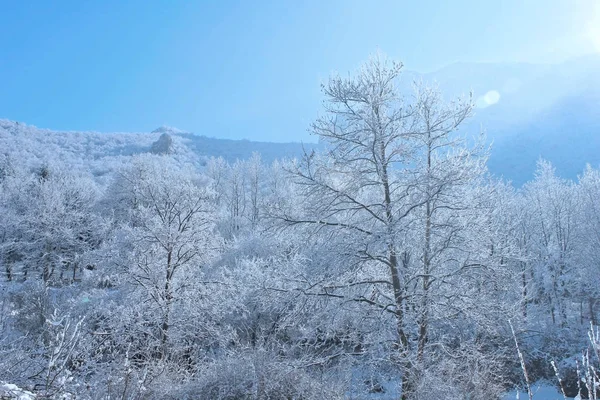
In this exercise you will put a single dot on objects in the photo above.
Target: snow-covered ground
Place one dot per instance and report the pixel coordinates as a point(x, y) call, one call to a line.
point(541, 391)
point(10, 391)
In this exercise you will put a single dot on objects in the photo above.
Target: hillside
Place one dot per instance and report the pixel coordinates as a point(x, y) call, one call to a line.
point(548, 111)
point(101, 153)
point(543, 110)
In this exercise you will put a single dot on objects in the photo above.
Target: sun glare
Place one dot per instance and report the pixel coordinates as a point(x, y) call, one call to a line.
point(594, 36)
point(593, 29)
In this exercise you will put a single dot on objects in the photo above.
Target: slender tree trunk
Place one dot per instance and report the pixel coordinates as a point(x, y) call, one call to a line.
point(396, 283)
point(524, 301)
point(398, 297)
point(406, 365)
point(562, 294)
point(168, 300)
point(553, 294)
point(424, 315)
point(424, 312)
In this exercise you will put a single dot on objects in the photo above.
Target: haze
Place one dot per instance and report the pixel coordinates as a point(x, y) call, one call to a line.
point(250, 69)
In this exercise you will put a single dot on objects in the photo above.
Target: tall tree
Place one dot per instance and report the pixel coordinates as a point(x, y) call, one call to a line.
point(171, 232)
point(443, 171)
point(554, 203)
point(391, 168)
point(588, 244)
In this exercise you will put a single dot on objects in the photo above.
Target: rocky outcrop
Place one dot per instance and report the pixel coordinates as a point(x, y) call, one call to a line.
point(164, 145)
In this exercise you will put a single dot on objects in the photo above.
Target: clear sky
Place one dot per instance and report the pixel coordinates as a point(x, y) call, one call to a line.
point(249, 69)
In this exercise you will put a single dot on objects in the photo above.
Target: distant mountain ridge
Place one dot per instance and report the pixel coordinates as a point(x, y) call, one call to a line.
point(100, 153)
point(544, 110)
point(549, 111)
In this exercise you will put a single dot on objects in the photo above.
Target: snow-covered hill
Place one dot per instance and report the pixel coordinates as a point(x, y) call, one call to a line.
point(527, 110)
point(101, 153)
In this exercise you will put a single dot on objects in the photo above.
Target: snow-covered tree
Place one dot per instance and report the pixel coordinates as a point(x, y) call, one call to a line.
point(588, 242)
point(395, 194)
point(554, 204)
point(50, 224)
point(172, 233)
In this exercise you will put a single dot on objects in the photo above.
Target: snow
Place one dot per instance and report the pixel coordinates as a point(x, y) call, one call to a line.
point(541, 391)
point(10, 391)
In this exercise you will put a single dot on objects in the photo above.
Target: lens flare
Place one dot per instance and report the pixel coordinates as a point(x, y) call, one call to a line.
point(488, 99)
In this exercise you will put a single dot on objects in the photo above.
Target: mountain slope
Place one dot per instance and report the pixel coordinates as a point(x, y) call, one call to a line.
point(549, 111)
point(101, 153)
point(528, 111)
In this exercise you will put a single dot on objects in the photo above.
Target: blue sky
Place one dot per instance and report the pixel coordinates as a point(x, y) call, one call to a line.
point(249, 69)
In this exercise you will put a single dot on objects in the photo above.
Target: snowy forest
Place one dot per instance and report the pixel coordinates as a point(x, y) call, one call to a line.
point(384, 263)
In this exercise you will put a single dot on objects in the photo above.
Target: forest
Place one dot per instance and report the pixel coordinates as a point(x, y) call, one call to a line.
point(385, 263)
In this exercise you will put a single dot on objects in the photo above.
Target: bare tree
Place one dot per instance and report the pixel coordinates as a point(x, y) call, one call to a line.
point(391, 168)
point(443, 170)
point(553, 203)
point(173, 232)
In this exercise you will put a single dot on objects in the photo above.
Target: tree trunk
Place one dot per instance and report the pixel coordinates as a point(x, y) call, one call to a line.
point(168, 300)
point(402, 344)
point(524, 290)
point(562, 304)
point(406, 365)
point(424, 315)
